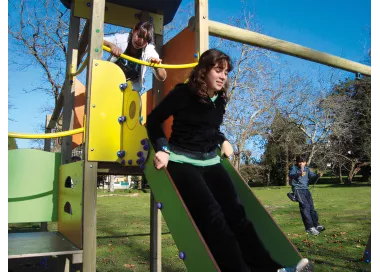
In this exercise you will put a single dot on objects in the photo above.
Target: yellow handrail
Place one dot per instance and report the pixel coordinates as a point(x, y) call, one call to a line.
point(47, 135)
point(84, 65)
point(168, 66)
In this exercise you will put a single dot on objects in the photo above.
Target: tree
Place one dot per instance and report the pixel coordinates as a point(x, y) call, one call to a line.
point(256, 89)
point(349, 143)
point(12, 143)
point(285, 140)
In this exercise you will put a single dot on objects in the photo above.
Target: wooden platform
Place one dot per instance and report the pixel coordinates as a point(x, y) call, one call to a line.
point(34, 244)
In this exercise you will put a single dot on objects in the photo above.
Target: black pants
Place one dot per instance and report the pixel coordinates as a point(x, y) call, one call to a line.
point(308, 213)
point(211, 198)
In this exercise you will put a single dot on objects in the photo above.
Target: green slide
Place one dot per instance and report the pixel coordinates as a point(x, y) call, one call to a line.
point(197, 256)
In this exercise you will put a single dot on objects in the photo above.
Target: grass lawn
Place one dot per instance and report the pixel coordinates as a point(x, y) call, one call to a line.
point(345, 211)
point(123, 228)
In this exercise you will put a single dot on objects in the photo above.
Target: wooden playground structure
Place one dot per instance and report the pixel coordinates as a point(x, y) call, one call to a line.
point(115, 140)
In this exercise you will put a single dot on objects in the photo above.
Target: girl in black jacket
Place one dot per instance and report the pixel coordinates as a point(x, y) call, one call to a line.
point(192, 161)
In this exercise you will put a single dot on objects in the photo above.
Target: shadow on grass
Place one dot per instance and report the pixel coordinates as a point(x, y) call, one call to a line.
point(326, 186)
point(327, 257)
point(130, 235)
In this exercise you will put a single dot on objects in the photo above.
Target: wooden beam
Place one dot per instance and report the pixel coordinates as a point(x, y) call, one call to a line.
point(120, 15)
point(83, 42)
point(57, 109)
point(96, 33)
point(253, 38)
point(69, 90)
point(201, 26)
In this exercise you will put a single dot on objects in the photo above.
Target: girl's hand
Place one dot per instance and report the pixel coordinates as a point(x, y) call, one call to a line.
point(154, 60)
point(226, 149)
point(161, 159)
point(116, 51)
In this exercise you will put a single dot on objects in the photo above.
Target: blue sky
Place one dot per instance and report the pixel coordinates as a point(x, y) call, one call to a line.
point(336, 27)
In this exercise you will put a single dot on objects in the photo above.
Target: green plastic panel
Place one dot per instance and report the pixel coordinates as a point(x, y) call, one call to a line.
point(32, 185)
point(183, 229)
point(274, 240)
point(70, 196)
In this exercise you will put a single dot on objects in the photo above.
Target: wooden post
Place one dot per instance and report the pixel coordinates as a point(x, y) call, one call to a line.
point(96, 33)
point(47, 145)
point(201, 26)
point(83, 42)
point(68, 88)
point(155, 213)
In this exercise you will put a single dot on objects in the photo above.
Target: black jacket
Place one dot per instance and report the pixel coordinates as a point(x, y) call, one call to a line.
point(195, 125)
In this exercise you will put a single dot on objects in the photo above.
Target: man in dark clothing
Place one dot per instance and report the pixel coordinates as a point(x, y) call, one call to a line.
point(300, 175)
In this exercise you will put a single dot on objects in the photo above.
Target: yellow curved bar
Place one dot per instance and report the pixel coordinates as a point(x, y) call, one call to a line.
point(84, 65)
point(45, 136)
point(167, 66)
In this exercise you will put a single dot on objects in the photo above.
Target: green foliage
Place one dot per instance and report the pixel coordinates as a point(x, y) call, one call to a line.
point(286, 140)
point(12, 144)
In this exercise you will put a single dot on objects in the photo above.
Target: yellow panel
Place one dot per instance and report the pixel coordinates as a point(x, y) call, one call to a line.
point(143, 108)
point(105, 109)
point(134, 135)
point(70, 224)
point(118, 15)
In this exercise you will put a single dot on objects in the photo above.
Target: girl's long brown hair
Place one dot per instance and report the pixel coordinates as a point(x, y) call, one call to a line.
point(206, 62)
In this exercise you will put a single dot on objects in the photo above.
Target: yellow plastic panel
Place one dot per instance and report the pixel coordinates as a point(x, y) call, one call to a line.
point(134, 135)
point(70, 191)
point(118, 15)
point(105, 109)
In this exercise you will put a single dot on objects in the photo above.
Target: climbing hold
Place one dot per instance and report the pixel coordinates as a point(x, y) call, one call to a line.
point(143, 141)
point(159, 205)
point(139, 154)
point(121, 153)
point(123, 86)
point(182, 255)
point(196, 55)
point(142, 166)
point(122, 162)
point(146, 147)
point(96, 50)
point(130, 162)
point(88, 4)
point(122, 119)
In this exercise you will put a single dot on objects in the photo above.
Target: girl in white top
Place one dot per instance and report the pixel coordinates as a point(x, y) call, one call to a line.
point(138, 44)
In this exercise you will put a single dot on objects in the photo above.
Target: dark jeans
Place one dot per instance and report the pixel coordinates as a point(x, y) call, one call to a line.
point(308, 213)
point(211, 198)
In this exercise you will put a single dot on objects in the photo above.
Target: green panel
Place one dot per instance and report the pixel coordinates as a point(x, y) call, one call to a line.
point(274, 240)
point(71, 192)
point(32, 185)
point(177, 218)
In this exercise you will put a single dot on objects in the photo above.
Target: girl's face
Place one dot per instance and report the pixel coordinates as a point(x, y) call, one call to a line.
point(217, 77)
point(139, 38)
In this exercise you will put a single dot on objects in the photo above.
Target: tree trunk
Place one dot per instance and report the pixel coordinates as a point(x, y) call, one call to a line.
point(237, 158)
point(340, 173)
point(139, 183)
point(112, 185)
point(286, 164)
point(352, 172)
point(311, 154)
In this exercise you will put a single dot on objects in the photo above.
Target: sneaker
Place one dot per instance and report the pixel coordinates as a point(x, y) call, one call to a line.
point(312, 231)
point(304, 265)
point(320, 228)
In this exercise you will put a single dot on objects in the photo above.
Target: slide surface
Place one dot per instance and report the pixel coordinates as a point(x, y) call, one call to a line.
point(186, 234)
